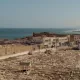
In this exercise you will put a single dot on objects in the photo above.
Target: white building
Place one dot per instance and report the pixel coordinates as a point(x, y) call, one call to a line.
point(54, 41)
point(63, 40)
point(49, 41)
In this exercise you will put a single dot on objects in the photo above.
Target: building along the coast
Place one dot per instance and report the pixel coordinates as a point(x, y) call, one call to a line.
point(71, 39)
point(52, 39)
point(49, 41)
point(63, 40)
point(37, 40)
point(77, 38)
point(55, 41)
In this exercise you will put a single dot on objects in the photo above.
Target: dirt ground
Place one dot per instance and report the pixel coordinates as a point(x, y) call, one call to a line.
point(63, 65)
point(17, 48)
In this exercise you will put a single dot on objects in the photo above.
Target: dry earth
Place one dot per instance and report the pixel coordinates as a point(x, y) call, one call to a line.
point(17, 48)
point(63, 65)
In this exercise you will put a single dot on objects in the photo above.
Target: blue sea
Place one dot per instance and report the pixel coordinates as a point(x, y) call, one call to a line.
point(13, 33)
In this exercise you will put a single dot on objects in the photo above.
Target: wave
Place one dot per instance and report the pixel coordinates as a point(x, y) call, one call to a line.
point(76, 30)
point(73, 31)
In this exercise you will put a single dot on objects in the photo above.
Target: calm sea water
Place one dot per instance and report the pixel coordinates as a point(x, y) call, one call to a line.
point(12, 33)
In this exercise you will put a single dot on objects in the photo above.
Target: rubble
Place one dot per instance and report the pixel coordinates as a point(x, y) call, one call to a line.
point(61, 66)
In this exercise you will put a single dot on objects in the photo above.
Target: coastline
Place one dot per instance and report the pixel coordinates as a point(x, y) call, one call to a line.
point(13, 33)
point(23, 44)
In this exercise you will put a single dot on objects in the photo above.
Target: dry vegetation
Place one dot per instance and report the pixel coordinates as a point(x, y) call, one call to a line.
point(63, 65)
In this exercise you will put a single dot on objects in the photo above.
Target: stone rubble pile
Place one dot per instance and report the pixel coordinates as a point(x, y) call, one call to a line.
point(63, 65)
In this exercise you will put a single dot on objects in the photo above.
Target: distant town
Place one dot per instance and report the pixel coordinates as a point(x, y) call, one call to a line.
point(47, 40)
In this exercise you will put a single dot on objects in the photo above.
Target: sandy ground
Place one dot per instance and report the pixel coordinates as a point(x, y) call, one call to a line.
point(12, 49)
point(23, 53)
point(63, 65)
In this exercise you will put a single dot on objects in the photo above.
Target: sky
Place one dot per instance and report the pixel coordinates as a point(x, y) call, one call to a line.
point(39, 13)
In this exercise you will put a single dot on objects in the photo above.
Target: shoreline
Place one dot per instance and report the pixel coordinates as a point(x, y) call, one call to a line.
point(26, 43)
point(13, 33)
point(25, 39)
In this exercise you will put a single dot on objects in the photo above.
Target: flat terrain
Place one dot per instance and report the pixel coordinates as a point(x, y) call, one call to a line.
point(11, 49)
point(63, 65)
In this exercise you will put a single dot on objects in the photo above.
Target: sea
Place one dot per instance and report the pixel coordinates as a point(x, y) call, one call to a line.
point(13, 33)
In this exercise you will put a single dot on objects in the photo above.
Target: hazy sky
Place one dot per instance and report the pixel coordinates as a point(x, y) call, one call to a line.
point(40, 13)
